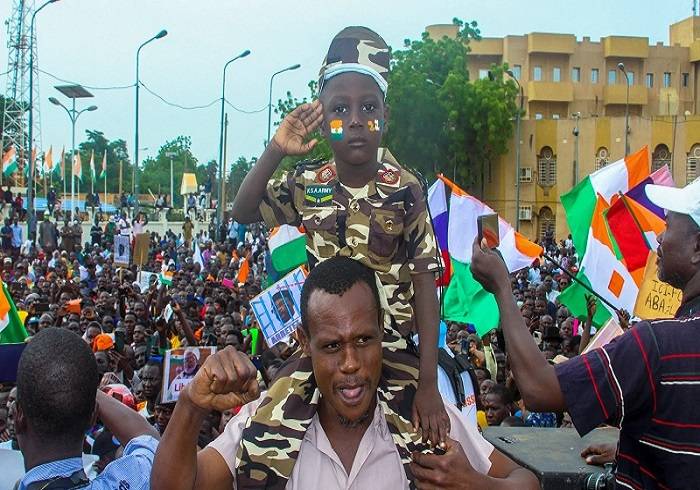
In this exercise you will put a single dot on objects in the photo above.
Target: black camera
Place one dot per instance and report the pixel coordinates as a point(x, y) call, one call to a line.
point(601, 481)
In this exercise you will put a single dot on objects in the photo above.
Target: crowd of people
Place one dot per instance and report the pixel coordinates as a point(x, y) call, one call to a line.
point(367, 391)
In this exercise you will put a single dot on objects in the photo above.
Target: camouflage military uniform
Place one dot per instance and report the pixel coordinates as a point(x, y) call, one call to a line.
point(386, 226)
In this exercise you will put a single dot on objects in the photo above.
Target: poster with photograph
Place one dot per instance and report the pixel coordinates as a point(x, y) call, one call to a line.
point(277, 309)
point(179, 367)
point(122, 250)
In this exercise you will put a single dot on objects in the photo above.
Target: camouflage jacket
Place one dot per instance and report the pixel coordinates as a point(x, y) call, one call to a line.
point(385, 225)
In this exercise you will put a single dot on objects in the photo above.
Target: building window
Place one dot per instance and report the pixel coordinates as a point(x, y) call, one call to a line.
point(537, 73)
point(612, 77)
point(556, 74)
point(630, 77)
point(667, 79)
point(691, 169)
point(660, 157)
point(483, 74)
point(547, 167)
point(685, 78)
point(555, 116)
point(594, 75)
point(576, 74)
point(601, 158)
point(547, 221)
point(538, 115)
point(650, 80)
point(517, 71)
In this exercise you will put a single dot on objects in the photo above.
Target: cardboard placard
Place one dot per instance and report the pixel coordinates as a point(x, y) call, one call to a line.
point(278, 309)
point(142, 243)
point(605, 335)
point(656, 299)
point(180, 367)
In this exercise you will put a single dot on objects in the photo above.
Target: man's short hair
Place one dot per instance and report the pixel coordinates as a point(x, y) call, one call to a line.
point(336, 276)
point(57, 358)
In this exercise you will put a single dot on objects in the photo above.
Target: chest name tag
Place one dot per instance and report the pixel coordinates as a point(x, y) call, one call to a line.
point(319, 194)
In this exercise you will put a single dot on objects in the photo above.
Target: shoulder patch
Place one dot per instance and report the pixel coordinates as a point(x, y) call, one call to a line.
point(389, 176)
point(325, 174)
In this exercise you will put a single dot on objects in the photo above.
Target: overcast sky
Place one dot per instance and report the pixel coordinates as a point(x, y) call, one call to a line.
point(94, 42)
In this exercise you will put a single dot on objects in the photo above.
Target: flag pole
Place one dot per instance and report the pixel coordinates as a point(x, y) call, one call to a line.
point(577, 280)
point(104, 205)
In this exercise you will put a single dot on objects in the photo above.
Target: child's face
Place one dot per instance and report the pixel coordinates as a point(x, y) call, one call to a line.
point(354, 117)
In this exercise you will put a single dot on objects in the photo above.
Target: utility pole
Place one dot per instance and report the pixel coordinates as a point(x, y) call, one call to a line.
point(222, 204)
point(577, 116)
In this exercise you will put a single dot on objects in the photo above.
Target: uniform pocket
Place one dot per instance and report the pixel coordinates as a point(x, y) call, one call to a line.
point(385, 232)
point(320, 220)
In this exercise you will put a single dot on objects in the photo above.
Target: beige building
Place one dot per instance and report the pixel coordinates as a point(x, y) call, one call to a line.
point(571, 84)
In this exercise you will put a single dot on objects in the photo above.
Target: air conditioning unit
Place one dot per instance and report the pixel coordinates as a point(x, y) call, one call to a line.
point(526, 175)
point(525, 213)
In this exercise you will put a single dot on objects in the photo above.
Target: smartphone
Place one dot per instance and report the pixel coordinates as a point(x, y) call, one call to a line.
point(119, 341)
point(487, 226)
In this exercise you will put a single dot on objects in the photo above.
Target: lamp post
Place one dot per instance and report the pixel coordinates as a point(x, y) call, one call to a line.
point(621, 67)
point(269, 102)
point(220, 212)
point(577, 116)
point(73, 114)
point(171, 155)
point(160, 35)
point(31, 218)
point(517, 149)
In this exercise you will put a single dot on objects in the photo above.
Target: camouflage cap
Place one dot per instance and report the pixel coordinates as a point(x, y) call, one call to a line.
point(360, 50)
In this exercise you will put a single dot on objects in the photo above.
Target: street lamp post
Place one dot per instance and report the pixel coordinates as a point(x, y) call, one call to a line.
point(577, 116)
point(517, 150)
point(220, 212)
point(73, 114)
point(171, 155)
point(31, 218)
point(269, 103)
point(160, 35)
point(621, 67)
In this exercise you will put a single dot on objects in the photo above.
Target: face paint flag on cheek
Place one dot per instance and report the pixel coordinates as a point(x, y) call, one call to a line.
point(336, 129)
point(375, 125)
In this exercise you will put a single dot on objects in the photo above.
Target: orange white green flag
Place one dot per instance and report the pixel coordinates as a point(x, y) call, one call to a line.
point(12, 329)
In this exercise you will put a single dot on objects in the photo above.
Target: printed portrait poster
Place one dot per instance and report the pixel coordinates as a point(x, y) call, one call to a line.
point(277, 309)
point(122, 250)
point(180, 366)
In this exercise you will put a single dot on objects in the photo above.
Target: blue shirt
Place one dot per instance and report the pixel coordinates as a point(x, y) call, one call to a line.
point(132, 470)
point(16, 236)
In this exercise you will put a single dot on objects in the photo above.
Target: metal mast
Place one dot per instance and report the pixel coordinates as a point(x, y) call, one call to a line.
point(15, 114)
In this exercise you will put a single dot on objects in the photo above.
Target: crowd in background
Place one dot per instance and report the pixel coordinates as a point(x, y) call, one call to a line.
point(69, 282)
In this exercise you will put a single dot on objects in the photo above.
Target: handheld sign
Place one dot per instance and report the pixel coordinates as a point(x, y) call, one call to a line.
point(122, 250)
point(180, 367)
point(277, 309)
point(656, 299)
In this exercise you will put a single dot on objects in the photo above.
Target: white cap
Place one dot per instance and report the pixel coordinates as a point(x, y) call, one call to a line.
point(682, 201)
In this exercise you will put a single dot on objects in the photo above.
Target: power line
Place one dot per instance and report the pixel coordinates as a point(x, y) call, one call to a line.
point(237, 109)
point(173, 104)
point(118, 87)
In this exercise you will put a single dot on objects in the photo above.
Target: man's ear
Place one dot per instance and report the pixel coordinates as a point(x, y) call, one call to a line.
point(20, 420)
point(304, 341)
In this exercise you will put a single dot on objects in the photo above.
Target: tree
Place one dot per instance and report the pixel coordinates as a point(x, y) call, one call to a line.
point(238, 172)
point(116, 152)
point(155, 175)
point(442, 122)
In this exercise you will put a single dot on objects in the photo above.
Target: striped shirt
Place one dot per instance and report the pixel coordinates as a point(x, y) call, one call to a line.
point(647, 383)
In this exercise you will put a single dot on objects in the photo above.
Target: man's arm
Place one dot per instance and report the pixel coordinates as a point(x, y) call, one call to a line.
point(122, 421)
point(453, 470)
point(226, 379)
point(535, 377)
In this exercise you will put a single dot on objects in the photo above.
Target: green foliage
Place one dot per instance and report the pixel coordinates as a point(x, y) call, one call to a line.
point(155, 173)
point(235, 177)
point(440, 122)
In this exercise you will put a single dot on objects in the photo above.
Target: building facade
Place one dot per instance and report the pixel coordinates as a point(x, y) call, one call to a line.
point(574, 97)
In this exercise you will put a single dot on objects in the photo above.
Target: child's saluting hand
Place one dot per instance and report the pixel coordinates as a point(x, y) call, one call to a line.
point(296, 127)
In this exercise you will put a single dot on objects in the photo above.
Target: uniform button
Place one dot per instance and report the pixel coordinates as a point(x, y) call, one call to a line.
point(388, 225)
point(354, 206)
point(317, 220)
